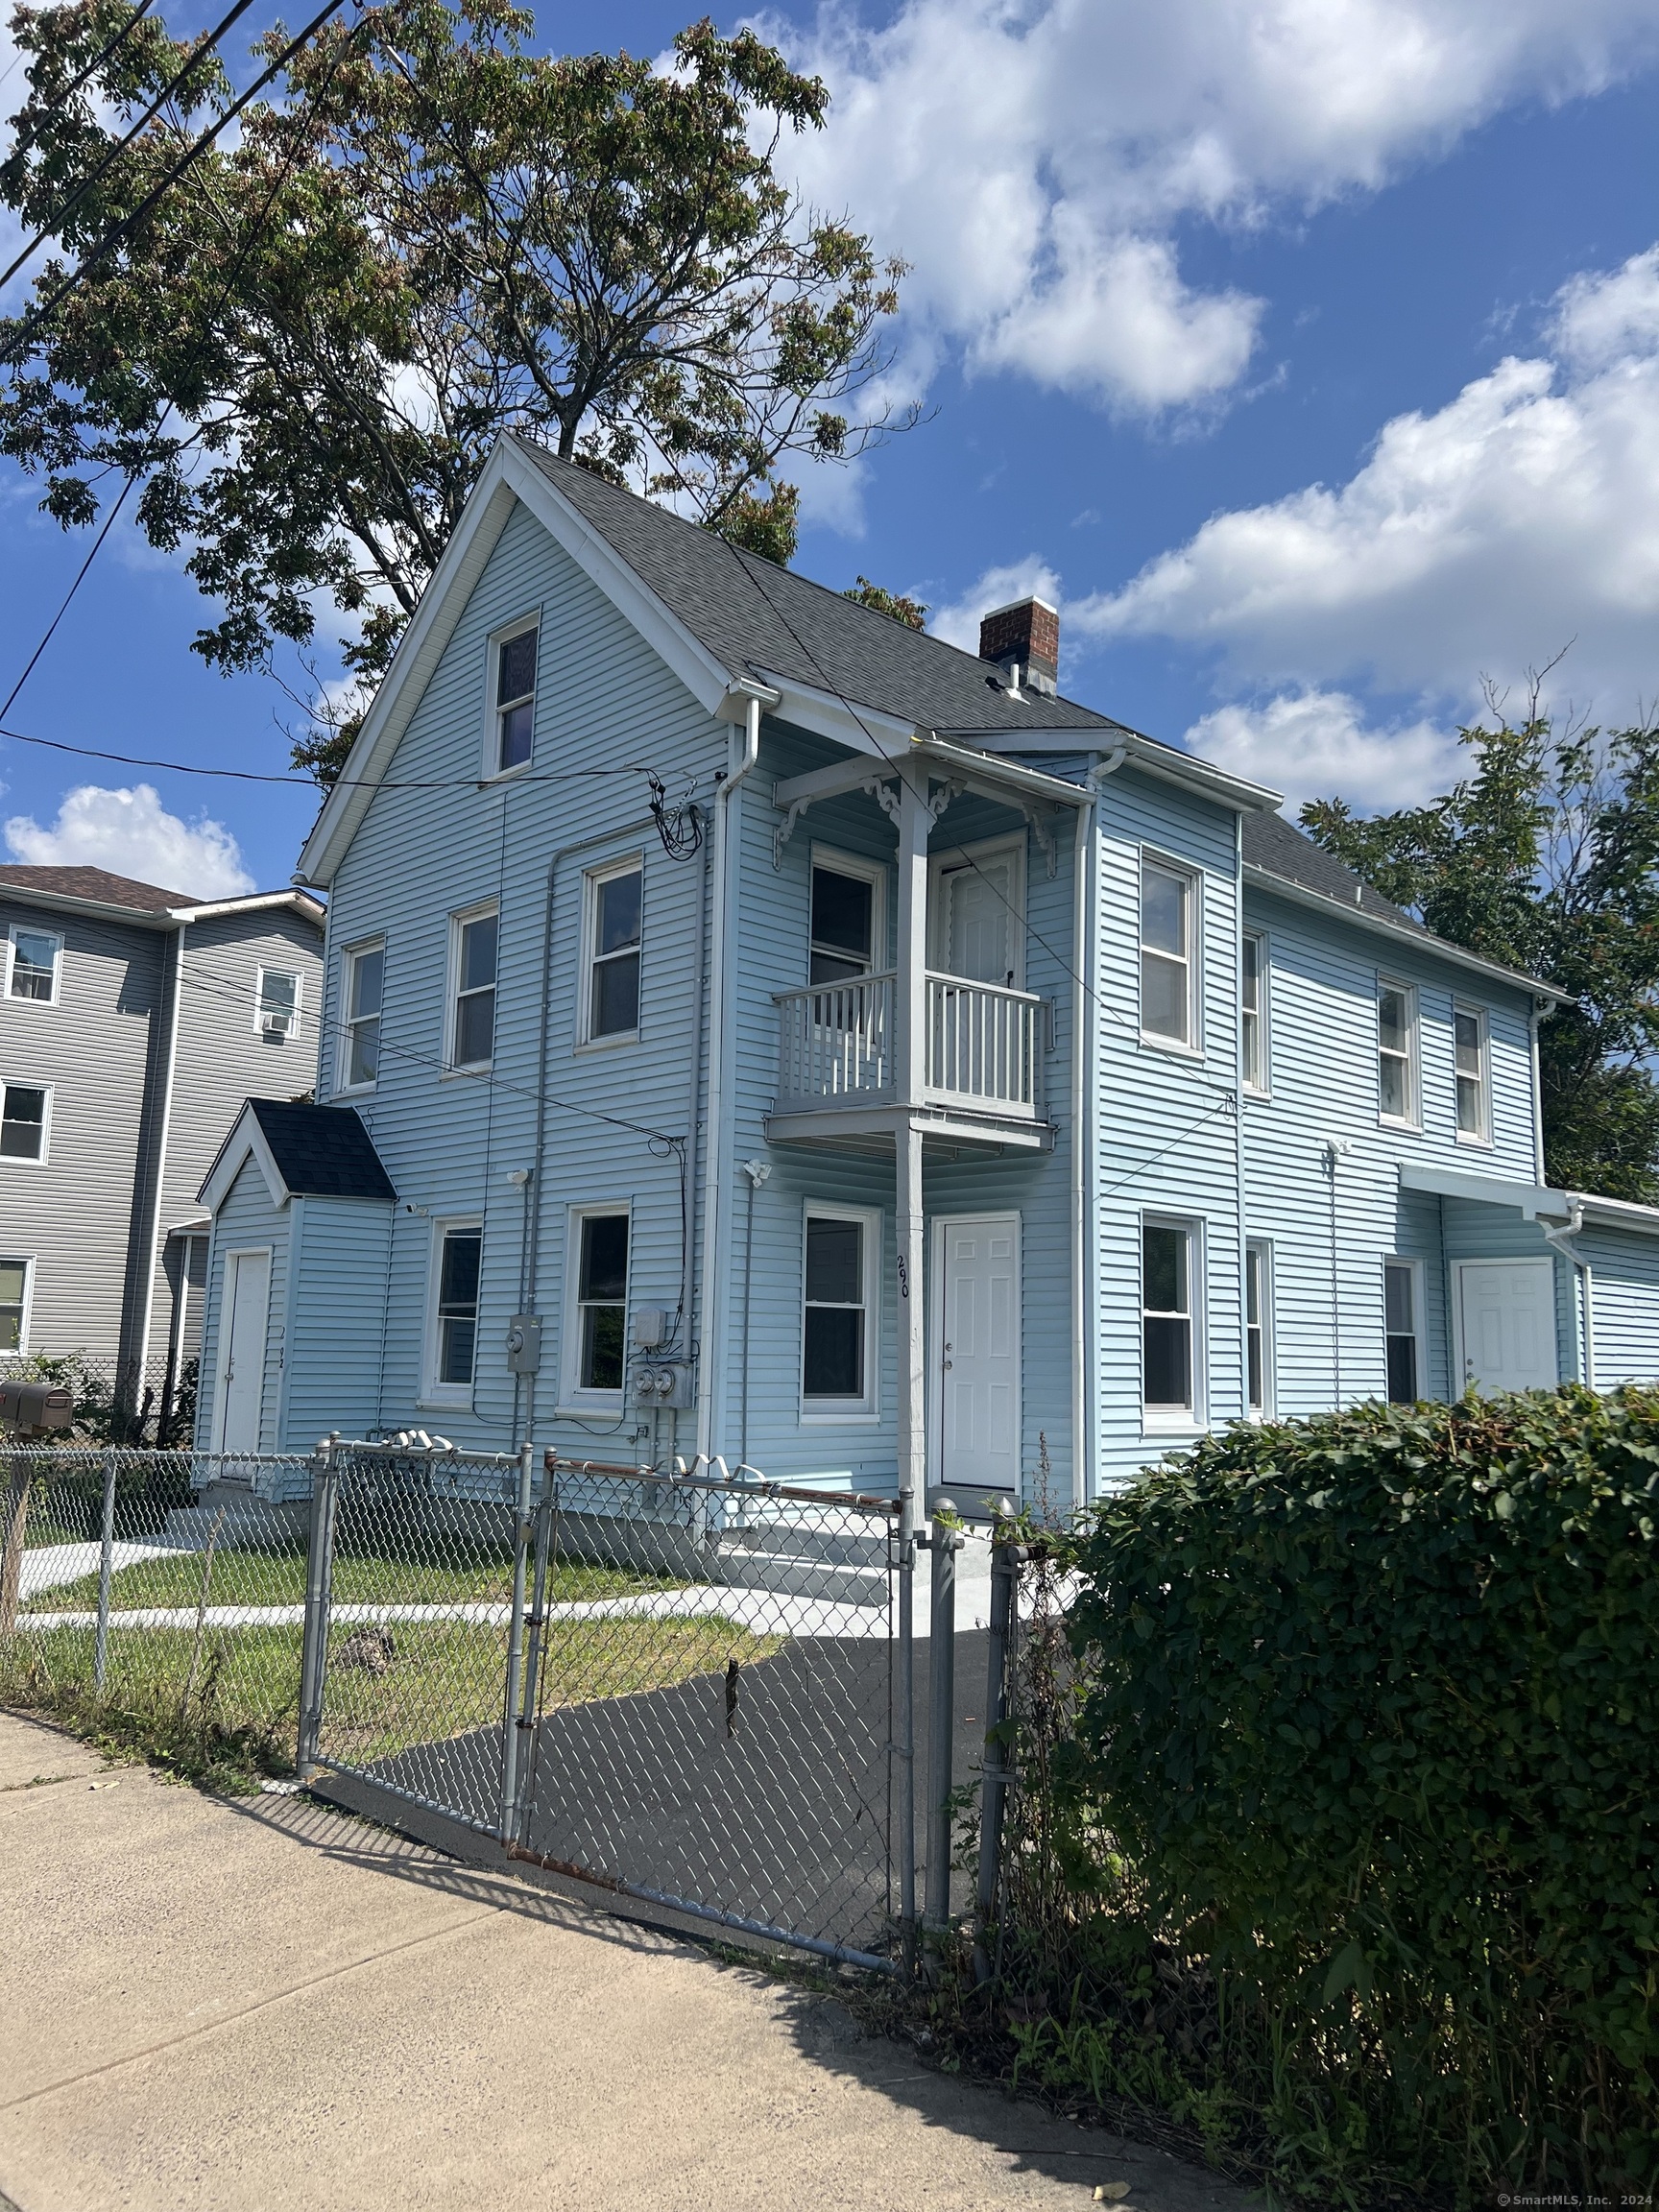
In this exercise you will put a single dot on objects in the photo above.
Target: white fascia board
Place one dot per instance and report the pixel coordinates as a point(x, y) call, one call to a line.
point(996, 778)
point(826, 715)
point(301, 903)
point(246, 1136)
point(1613, 1213)
point(1165, 761)
point(1535, 1200)
point(100, 910)
point(1259, 878)
point(508, 479)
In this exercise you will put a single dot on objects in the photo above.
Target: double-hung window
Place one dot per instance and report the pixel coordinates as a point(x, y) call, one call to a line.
point(276, 1004)
point(473, 945)
point(846, 920)
point(515, 698)
point(838, 1336)
point(1397, 1053)
point(1169, 995)
point(1473, 1083)
point(601, 1330)
point(1401, 1329)
point(1168, 1255)
point(1258, 1329)
point(615, 915)
point(25, 1121)
point(365, 991)
point(1253, 1010)
point(14, 1305)
point(457, 1253)
point(34, 961)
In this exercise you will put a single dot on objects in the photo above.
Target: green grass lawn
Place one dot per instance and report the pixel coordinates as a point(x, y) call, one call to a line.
point(264, 1576)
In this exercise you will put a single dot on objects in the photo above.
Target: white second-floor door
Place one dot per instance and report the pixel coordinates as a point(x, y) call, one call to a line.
point(247, 1299)
point(977, 919)
point(977, 1355)
point(1508, 1312)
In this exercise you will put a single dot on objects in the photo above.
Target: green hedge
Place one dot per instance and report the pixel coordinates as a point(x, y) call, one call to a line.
point(1373, 1713)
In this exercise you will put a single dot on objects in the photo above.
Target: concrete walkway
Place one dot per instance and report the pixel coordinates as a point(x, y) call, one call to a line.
point(264, 2003)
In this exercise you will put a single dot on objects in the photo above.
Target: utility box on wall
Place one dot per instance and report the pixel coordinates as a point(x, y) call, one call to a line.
point(664, 1383)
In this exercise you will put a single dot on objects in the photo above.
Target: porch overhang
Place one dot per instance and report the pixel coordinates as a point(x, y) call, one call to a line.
point(1534, 1201)
point(872, 1129)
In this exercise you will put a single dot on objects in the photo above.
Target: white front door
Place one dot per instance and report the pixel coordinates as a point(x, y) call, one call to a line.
point(242, 1385)
point(976, 1336)
point(1506, 1311)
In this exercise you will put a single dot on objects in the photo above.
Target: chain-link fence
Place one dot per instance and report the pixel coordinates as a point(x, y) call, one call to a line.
point(158, 1585)
point(130, 1403)
point(678, 1687)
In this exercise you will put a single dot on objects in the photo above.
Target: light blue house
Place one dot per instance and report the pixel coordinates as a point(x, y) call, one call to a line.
point(789, 1039)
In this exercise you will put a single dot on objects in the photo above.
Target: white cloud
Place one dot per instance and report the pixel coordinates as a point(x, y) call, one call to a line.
point(132, 833)
point(1317, 745)
point(1031, 160)
point(959, 623)
point(1477, 540)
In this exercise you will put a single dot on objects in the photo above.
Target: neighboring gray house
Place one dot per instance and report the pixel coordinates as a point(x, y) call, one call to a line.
point(134, 1021)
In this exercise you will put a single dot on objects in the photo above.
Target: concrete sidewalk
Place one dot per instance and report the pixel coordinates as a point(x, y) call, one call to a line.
point(219, 2005)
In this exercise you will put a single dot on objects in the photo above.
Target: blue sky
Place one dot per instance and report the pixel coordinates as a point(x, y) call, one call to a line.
point(1305, 352)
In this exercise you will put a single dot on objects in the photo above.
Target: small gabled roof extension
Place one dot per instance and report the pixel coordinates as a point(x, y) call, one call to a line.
point(303, 1151)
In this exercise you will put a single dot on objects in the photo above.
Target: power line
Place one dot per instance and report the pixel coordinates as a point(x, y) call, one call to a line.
point(90, 68)
point(202, 47)
point(114, 236)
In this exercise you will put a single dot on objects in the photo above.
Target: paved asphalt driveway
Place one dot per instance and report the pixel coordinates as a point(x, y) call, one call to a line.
point(215, 2006)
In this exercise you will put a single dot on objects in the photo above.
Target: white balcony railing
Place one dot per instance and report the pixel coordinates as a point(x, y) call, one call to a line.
point(835, 1045)
point(984, 1046)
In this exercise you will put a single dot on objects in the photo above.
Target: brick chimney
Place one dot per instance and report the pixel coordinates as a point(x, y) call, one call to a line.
point(1023, 642)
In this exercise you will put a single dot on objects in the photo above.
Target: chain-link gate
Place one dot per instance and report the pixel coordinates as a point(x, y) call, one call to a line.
point(687, 1689)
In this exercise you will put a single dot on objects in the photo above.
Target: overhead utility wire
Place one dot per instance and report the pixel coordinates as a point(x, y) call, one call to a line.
point(114, 236)
point(204, 46)
point(89, 68)
point(225, 291)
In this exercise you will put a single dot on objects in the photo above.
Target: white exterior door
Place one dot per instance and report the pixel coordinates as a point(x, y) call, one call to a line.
point(1506, 1313)
point(242, 1382)
point(977, 1314)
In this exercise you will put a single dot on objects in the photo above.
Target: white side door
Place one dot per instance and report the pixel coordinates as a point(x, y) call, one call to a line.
point(242, 1376)
point(1507, 1314)
point(976, 1311)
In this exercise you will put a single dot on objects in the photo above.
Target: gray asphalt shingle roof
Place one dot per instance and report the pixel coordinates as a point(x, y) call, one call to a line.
point(752, 615)
point(1280, 849)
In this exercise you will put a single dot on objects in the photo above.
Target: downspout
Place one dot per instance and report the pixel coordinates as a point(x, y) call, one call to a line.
point(1533, 1021)
point(1562, 1241)
point(1083, 1126)
point(147, 1305)
point(1265, 1318)
point(741, 755)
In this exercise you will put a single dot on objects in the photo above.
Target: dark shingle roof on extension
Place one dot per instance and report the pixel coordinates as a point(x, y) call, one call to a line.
point(751, 614)
point(321, 1151)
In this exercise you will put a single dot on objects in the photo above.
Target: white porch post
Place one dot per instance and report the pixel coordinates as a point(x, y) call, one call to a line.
point(911, 1011)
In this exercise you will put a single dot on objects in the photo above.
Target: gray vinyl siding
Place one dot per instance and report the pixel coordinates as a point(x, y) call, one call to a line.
point(74, 1216)
point(246, 1220)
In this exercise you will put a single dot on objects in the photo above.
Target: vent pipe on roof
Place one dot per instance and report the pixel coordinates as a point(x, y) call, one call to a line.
point(1023, 639)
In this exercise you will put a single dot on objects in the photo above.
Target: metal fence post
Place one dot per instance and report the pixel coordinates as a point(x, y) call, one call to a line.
point(522, 1531)
point(319, 1595)
point(105, 1568)
point(944, 1544)
point(904, 1744)
point(536, 1624)
point(1006, 1559)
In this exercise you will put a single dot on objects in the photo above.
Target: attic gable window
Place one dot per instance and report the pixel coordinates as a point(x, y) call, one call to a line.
point(514, 684)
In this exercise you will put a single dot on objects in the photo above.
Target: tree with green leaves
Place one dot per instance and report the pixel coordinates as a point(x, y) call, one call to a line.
point(912, 613)
point(1545, 857)
point(426, 235)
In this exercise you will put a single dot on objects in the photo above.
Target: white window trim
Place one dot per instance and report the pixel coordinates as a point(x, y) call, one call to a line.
point(1480, 1138)
point(871, 872)
point(604, 872)
point(1151, 858)
point(1269, 1377)
point(1014, 847)
point(349, 956)
point(844, 1413)
point(1264, 1012)
point(1176, 1421)
point(31, 929)
point(25, 1260)
point(1398, 1259)
point(1413, 1118)
point(446, 1395)
point(8, 1160)
point(269, 967)
point(491, 772)
point(573, 1400)
point(458, 921)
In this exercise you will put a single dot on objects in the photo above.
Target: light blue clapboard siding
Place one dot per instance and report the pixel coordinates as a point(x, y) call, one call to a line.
point(335, 1345)
point(1625, 1277)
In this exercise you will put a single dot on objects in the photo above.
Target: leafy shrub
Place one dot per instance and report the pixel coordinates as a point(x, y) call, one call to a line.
point(1370, 1722)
